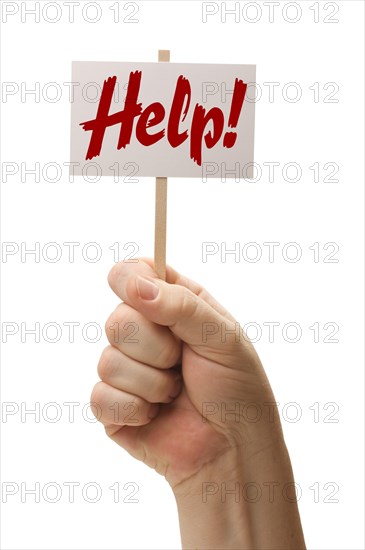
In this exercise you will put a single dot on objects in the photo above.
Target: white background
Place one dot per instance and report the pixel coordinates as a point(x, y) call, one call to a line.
point(305, 292)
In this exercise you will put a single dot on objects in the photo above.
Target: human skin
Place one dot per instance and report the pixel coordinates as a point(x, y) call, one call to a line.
point(190, 398)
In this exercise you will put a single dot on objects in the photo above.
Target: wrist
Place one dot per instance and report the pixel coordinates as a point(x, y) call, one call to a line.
point(244, 499)
point(207, 519)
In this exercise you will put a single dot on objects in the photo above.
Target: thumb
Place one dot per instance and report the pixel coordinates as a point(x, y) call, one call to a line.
point(174, 306)
point(207, 331)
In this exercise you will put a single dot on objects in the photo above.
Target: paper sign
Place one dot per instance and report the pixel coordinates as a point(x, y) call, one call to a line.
point(162, 119)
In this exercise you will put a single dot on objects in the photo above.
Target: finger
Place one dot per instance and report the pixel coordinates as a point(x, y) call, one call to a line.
point(126, 374)
point(112, 406)
point(144, 267)
point(141, 339)
point(188, 316)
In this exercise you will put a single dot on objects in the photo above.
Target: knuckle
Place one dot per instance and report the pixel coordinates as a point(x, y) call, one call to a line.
point(110, 325)
point(168, 356)
point(115, 323)
point(97, 397)
point(114, 275)
point(107, 363)
point(188, 304)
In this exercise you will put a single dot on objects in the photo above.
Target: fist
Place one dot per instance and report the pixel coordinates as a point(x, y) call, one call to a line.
point(177, 375)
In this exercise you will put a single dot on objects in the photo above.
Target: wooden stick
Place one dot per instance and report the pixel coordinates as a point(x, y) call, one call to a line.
point(161, 208)
point(160, 227)
point(164, 55)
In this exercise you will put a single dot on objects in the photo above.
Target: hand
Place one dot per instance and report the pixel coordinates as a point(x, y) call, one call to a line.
point(187, 394)
point(178, 397)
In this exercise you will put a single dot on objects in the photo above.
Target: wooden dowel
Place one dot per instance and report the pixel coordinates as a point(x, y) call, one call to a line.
point(161, 208)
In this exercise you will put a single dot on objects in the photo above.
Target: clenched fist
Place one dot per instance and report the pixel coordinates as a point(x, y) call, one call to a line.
point(177, 383)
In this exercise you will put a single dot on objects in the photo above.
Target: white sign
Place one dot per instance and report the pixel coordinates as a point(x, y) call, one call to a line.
point(163, 119)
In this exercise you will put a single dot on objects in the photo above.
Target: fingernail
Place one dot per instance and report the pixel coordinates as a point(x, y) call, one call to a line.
point(147, 290)
point(153, 410)
point(176, 388)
